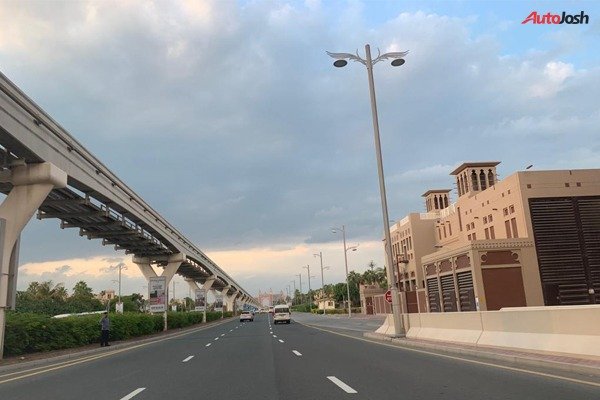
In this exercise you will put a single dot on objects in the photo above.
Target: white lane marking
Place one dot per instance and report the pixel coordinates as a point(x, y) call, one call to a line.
point(341, 385)
point(281, 341)
point(296, 352)
point(134, 393)
point(188, 359)
point(208, 344)
point(274, 335)
point(231, 330)
point(216, 338)
point(222, 334)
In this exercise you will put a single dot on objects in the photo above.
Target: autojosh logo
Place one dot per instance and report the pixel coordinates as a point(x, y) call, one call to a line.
point(556, 19)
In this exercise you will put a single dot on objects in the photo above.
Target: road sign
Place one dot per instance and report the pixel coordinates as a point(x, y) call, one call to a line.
point(388, 296)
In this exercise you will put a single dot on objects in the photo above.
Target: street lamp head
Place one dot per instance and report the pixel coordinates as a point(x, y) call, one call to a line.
point(340, 63)
point(398, 62)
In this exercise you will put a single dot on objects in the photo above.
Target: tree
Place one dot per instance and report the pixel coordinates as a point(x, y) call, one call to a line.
point(83, 300)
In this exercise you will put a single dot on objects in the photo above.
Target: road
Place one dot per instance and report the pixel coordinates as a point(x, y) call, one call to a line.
point(258, 360)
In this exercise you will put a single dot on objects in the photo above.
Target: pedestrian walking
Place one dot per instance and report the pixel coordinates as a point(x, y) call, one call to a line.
point(105, 328)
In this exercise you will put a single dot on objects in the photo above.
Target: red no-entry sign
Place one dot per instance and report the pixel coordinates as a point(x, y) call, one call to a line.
point(388, 296)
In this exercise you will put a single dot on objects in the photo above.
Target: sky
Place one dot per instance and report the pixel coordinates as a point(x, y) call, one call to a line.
point(229, 119)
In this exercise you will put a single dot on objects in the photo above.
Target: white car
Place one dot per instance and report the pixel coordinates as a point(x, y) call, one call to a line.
point(282, 314)
point(246, 316)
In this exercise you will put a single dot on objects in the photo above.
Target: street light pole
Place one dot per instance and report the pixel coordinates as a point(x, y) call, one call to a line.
point(398, 323)
point(300, 277)
point(398, 60)
point(353, 248)
point(308, 268)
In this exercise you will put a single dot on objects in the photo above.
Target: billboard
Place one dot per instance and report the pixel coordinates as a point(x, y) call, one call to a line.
point(219, 302)
point(157, 294)
point(200, 303)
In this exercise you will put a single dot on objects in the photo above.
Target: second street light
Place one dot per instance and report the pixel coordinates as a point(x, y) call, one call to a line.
point(341, 59)
point(346, 249)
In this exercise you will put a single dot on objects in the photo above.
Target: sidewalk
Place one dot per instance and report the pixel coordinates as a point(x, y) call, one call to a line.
point(34, 359)
point(516, 357)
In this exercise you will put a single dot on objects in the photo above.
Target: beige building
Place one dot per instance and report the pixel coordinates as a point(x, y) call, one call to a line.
point(530, 239)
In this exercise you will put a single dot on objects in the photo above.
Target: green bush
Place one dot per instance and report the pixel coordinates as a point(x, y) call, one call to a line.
point(30, 332)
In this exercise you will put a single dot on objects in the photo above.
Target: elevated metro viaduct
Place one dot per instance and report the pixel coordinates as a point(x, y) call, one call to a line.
point(44, 168)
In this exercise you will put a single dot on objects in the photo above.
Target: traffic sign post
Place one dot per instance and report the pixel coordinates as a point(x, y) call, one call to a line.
point(388, 296)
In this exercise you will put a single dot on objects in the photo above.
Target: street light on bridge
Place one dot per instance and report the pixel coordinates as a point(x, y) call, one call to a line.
point(341, 60)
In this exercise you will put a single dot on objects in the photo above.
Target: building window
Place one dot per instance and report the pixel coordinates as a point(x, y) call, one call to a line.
point(474, 181)
point(449, 229)
point(513, 223)
point(528, 186)
point(444, 231)
point(445, 201)
point(482, 180)
point(490, 178)
point(469, 237)
point(505, 211)
point(492, 234)
point(490, 218)
point(508, 191)
point(485, 220)
point(475, 236)
point(578, 184)
point(507, 226)
point(511, 209)
point(435, 202)
point(439, 233)
point(487, 233)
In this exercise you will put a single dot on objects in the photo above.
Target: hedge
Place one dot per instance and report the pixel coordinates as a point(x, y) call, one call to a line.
point(29, 332)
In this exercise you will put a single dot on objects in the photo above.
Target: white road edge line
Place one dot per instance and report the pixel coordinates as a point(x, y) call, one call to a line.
point(188, 359)
point(281, 341)
point(134, 393)
point(341, 385)
point(296, 352)
point(208, 344)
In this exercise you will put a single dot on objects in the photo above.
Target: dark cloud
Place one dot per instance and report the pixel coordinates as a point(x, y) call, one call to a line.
point(235, 126)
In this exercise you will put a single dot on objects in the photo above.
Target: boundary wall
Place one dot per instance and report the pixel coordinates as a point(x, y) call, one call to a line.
point(561, 329)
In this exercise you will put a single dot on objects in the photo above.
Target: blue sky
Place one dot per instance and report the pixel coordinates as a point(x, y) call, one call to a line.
point(228, 117)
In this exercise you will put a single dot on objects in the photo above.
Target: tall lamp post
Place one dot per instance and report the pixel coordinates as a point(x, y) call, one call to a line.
point(341, 59)
point(346, 249)
point(320, 255)
point(294, 282)
point(299, 277)
point(308, 275)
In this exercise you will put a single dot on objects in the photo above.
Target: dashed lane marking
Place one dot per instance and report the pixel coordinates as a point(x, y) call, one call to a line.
point(208, 344)
point(341, 385)
point(281, 341)
point(134, 393)
point(296, 352)
point(188, 359)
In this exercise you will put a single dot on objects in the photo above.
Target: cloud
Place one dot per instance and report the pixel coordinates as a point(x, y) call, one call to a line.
point(229, 119)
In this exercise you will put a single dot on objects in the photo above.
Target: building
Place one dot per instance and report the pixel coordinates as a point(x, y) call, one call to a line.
point(106, 295)
point(531, 239)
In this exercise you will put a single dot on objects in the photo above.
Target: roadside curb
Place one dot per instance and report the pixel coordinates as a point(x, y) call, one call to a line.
point(517, 360)
point(118, 346)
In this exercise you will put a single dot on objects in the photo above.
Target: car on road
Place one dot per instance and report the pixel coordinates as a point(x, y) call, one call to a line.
point(246, 316)
point(281, 313)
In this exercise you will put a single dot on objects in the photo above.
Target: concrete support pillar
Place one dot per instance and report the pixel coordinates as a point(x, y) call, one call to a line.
point(174, 261)
point(31, 186)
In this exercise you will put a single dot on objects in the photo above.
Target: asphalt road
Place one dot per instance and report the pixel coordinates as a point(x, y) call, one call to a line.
point(258, 360)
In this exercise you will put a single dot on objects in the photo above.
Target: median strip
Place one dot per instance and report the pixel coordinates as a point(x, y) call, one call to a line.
point(341, 385)
point(134, 393)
